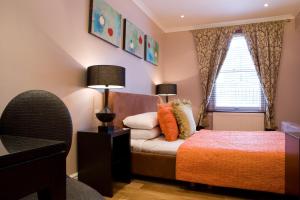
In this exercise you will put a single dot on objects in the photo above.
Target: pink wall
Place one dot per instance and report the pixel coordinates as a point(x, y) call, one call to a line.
point(298, 22)
point(288, 96)
point(45, 45)
point(180, 66)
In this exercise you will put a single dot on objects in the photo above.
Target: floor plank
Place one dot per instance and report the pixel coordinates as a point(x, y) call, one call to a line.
point(153, 189)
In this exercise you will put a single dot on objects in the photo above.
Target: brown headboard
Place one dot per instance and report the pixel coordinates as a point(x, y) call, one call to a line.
point(126, 104)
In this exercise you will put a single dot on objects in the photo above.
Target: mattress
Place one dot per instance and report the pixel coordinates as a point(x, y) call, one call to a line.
point(157, 145)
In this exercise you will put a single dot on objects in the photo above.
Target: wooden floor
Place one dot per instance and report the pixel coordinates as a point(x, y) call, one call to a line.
point(153, 189)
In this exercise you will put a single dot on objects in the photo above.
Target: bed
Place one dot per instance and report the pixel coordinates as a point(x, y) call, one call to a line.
point(157, 158)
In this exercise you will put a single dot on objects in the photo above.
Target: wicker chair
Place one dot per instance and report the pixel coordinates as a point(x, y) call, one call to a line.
point(41, 114)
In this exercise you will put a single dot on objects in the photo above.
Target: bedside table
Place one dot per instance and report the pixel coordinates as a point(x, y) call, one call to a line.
point(292, 164)
point(104, 157)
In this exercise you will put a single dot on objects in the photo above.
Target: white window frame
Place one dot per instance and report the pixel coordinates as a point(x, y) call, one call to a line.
point(212, 107)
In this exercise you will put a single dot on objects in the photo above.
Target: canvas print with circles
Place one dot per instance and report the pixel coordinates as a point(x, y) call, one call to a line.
point(133, 39)
point(152, 50)
point(105, 22)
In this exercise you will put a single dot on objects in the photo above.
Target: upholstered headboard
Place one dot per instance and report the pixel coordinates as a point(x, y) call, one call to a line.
point(127, 104)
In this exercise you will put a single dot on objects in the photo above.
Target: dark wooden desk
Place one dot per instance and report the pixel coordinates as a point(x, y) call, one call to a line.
point(29, 165)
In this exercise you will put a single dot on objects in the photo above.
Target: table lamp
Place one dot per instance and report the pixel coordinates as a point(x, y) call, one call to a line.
point(166, 89)
point(105, 77)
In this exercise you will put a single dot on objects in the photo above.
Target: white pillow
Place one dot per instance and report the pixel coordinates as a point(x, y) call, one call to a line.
point(142, 121)
point(142, 134)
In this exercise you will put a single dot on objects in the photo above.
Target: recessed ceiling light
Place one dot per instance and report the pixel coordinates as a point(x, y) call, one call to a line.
point(266, 5)
point(181, 16)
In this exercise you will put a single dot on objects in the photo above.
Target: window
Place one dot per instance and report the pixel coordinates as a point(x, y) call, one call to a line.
point(237, 87)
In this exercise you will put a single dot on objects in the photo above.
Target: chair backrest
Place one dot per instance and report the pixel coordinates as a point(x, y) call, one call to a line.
point(38, 114)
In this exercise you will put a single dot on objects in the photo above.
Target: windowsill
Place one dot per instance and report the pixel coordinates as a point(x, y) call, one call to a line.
point(232, 111)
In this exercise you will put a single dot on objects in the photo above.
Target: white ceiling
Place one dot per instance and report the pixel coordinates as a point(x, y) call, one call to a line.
point(202, 13)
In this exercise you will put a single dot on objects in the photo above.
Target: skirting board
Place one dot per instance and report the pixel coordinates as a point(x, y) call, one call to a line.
point(75, 175)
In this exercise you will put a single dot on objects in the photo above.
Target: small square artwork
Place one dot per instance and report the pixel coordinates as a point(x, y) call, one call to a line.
point(105, 22)
point(133, 39)
point(152, 50)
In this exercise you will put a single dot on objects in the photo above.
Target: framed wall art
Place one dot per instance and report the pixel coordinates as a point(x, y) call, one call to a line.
point(151, 50)
point(133, 41)
point(105, 22)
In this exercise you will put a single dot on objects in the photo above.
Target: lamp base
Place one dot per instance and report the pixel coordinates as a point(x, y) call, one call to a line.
point(105, 129)
point(105, 116)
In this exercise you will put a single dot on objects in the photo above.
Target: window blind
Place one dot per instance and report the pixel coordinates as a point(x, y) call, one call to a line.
point(237, 87)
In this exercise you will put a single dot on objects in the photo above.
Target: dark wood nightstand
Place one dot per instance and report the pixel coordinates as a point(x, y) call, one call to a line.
point(104, 157)
point(292, 164)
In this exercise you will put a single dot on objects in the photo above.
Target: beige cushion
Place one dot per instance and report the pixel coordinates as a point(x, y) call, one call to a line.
point(185, 119)
point(142, 134)
point(142, 121)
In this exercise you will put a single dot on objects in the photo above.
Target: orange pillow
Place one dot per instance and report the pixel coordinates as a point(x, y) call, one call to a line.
point(167, 122)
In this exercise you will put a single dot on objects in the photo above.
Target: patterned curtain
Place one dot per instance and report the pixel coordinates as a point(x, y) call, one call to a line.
point(265, 44)
point(211, 47)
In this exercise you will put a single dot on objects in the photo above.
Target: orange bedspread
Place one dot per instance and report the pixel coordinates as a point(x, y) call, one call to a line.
point(246, 160)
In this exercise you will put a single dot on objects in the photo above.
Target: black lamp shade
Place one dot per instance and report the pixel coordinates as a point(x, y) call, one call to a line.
point(105, 76)
point(166, 89)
